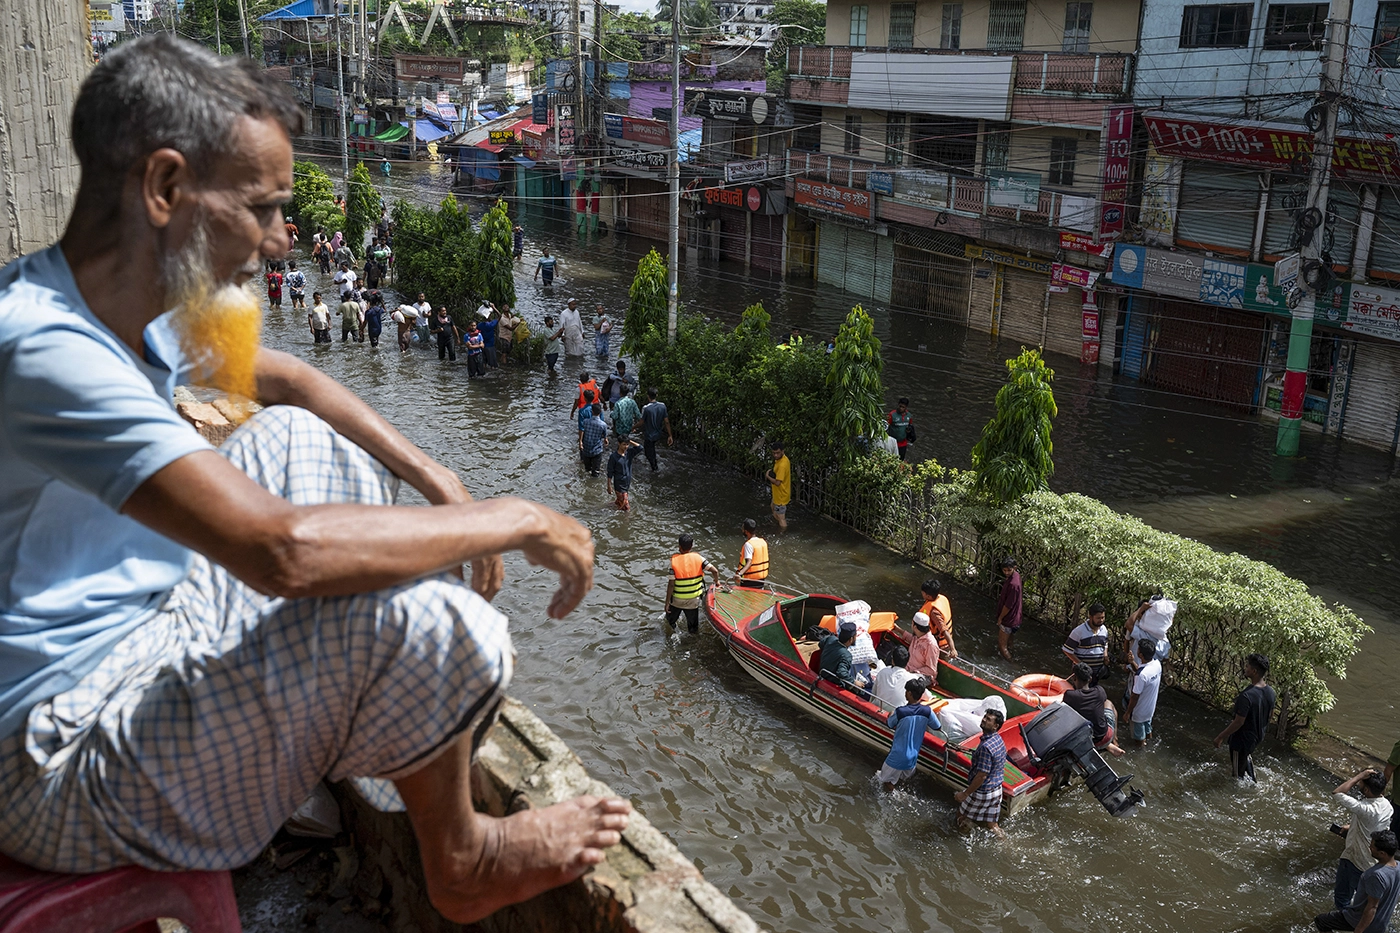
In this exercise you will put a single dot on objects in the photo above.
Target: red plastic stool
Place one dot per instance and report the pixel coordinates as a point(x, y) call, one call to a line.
point(123, 900)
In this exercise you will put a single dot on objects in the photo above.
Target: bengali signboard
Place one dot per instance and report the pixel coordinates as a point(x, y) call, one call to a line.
point(642, 130)
point(430, 68)
point(1161, 187)
point(502, 137)
point(566, 136)
point(730, 106)
point(1374, 312)
point(880, 182)
point(1014, 189)
point(1117, 167)
point(539, 110)
point(817, 195)
point(1065, 275)
point(987, 254)
point(634, 157)
point(1271, 148)
point(754, 199)
point(747, 170)
point(1084, 244)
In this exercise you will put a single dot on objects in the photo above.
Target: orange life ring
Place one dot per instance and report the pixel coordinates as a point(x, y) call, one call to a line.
point(1041, 689)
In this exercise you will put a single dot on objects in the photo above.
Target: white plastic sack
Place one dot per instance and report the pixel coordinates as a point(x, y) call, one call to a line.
point(1156, 621)
point(962, 716)
point(856, 611)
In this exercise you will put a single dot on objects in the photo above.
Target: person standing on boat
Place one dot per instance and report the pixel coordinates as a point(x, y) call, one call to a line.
point(780, 478)
point(910, 722)
point(753, 559)
point(1254, 707)
point(923, 649)
point(940, 614)
point(1008, 605)
point(1088, 643)
point(687, 584)
point(980, 801)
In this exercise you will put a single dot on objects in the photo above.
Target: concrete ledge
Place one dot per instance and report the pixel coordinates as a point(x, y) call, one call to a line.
point(645, 885)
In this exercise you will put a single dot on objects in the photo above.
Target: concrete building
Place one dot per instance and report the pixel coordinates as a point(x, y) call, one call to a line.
point(944, 154)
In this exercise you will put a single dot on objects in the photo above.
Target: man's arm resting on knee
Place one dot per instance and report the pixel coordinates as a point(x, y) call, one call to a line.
point(206, 503)
point(285, 380)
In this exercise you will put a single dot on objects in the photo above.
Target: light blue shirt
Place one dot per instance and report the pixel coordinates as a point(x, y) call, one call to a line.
point(83, 423)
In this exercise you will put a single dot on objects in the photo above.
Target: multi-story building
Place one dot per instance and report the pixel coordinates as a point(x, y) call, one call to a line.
point(139, 11)
point(945, 153)
point(559, 15)
point(1226, 95)
point(748, 18)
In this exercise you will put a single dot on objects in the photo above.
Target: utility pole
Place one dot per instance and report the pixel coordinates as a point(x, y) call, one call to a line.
point(344, 131)
point(580, 124)
point(218, 32)
point(1295, 380)
point(673, 169)
point(243, 25)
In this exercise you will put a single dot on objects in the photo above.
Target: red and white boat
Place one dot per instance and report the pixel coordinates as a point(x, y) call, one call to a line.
point(1045, 748)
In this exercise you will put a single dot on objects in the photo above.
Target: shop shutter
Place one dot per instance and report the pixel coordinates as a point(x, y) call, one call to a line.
point(936, 285)
point(884, 268)
point(1064, 332)
point(1372, 406)
point(1022, 306)
point(733, 233)
point(1219, 205)
point(860, 263)
point(1385, 240)
point(1287, 195)
point(831, 255)
point(648, 209)
point(1135, 331)
point(1207, 352)
point(767, 251)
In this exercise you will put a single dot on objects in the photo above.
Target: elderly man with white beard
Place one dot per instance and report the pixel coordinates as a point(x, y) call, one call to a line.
point(191, 639)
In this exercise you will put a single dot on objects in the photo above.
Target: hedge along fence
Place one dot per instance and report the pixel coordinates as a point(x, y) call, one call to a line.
point(729, 390)
point(1074, 550)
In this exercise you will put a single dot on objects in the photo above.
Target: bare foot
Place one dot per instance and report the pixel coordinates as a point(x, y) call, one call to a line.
point(524, 854)
point(1115, 751)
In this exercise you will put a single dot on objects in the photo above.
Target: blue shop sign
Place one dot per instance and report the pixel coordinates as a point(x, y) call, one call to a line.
point(881, 182)
point(1129, 261)
point(612, 125)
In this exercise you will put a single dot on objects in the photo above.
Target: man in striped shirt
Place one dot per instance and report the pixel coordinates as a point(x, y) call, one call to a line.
point(1088, 643)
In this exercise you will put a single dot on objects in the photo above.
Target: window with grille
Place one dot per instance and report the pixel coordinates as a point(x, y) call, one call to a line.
point(1006, 25)
point(996, 150)
point(901, 26)
point(852, 142)
point(950, 37)
point(1385, 41)
point(1077, 18)
point(1062, 152)
point(1297, 26)
point(1220, 26)
point(860, 18)
point(894, 139)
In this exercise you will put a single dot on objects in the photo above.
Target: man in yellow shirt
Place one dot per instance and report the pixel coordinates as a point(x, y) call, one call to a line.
point(780, 478)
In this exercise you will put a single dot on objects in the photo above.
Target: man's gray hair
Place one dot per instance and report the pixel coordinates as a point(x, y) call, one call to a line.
point(164, 92)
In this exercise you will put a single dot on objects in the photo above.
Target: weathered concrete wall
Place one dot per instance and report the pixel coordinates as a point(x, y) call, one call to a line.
point(644, 886)
point(45, 53)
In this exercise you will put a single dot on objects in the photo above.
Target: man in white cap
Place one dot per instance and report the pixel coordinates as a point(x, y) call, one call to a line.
point(923, 649)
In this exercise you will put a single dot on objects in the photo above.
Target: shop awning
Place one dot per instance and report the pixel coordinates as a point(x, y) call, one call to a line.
point(393, 134)
point(528, 163)
point(428, 131)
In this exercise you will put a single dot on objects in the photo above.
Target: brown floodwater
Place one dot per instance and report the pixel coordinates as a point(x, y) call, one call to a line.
point(784, 815)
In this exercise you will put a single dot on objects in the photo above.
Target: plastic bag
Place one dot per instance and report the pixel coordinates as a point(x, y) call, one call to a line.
point(1156, 621)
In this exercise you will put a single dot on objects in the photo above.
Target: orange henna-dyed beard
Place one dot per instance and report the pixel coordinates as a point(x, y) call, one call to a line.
point(219, 324)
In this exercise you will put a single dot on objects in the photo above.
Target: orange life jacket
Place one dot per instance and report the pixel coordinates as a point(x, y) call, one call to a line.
point(589, 386)
point(940, 621)
point(689, 571)
point(758, 568)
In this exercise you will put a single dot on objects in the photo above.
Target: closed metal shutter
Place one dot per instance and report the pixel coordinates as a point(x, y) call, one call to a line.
point(1135, 333)
point(930, 274)
point(648, 209)
point(884, 268)
point(733, 233)
point(1064, 331)
point(767, 250)
point(1373, 406)
point(1207, 352)
point(1022, 306)
point(1219, 206)
point(831, 255)
point(860, 263)
point(1290, 195)
point(1385, 241)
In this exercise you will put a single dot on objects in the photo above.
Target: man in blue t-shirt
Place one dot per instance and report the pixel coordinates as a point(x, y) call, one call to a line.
point(191, 639)
point(1378, 890)
point(909, 722)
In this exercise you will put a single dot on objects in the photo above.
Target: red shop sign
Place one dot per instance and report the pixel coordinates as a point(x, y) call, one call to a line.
point(1271, 148)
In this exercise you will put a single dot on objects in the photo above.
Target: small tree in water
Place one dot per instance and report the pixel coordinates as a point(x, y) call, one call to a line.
point(646, 302)
point(1013, 458)
point(495, 252)
point(361, 208)
point(855, 395)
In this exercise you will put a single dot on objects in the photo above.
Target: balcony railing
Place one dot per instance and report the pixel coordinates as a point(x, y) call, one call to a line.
point(821, 73)
point(942, 190)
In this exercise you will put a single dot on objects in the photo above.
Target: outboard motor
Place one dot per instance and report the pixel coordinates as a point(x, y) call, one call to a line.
point(1062, 742)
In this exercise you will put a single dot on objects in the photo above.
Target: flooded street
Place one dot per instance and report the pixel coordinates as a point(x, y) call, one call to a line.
point(784, 815)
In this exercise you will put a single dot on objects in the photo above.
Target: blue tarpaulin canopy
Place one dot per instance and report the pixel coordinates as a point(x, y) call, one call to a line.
point(428, 131)
point(528, 163)
point(301, 9)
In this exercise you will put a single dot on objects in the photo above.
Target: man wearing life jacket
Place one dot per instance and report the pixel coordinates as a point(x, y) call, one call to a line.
point(687, 585)
point(940, 614)
point(586, 383)
point(753, 559)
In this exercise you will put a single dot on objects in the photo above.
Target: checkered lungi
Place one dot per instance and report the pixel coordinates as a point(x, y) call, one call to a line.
point(207, 726)
point(983, 806)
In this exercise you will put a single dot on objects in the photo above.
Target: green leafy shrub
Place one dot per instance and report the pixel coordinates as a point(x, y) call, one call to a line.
point(436, 256)
point(855, 395)
point(495, 259)
point(646, 301)
point(361, 208)
point(1013, 458)
point(310, 185)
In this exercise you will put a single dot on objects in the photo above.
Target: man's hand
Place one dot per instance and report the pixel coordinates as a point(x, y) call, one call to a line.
point(566, 547)
point(670, 442)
